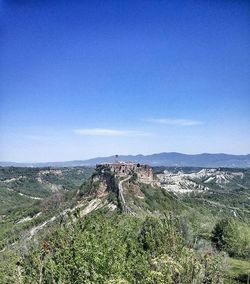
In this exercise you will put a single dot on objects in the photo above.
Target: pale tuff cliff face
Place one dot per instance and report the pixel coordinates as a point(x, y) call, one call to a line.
point(103, 181)
point(100, 186)
point(108, 176)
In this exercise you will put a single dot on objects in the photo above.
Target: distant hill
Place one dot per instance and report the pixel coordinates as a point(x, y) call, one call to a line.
point(171, 159)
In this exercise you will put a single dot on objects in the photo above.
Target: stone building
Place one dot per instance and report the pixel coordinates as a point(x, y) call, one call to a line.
point(122, 169)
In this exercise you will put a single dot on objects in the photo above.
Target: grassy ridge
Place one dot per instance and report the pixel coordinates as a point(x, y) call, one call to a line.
point(55, 188)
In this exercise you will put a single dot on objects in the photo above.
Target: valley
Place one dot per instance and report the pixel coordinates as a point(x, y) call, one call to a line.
point(38, 203)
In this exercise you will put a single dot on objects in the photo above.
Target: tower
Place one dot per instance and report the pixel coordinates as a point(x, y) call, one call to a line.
point(116, 159)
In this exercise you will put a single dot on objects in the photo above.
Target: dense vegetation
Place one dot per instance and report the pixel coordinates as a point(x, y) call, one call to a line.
point(114, 248)
point(191, 238)
point(217, 220)
point(232, 236)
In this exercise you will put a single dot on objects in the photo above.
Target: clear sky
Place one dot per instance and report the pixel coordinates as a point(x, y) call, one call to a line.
point(81, 79)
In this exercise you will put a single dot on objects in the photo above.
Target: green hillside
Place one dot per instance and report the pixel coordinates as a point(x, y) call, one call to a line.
point(86, 234)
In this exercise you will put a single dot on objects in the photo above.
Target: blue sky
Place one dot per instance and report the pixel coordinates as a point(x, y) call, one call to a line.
point(92, 78)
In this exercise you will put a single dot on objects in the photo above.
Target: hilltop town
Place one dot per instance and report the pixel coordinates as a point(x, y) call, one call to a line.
point(122, 169)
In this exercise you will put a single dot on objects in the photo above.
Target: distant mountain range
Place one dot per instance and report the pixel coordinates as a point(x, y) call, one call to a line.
point(162, 159)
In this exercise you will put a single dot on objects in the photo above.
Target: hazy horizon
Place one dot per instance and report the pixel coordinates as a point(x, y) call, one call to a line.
point(113, 155)
point(84, 79)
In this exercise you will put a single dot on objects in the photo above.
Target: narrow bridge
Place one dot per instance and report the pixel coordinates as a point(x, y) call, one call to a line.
point(125, 207)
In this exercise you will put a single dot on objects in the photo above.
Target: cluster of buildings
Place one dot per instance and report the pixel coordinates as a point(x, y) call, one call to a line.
point(121, 169)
